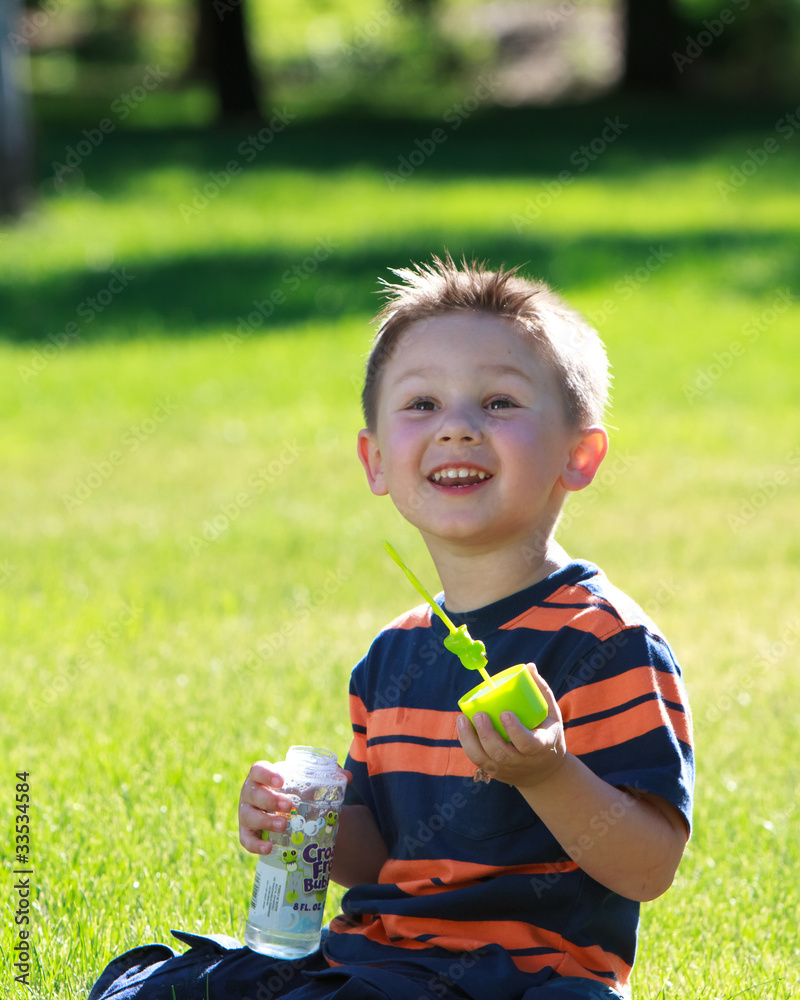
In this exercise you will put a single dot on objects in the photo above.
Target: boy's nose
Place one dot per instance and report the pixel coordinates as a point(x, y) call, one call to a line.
point(459, 426)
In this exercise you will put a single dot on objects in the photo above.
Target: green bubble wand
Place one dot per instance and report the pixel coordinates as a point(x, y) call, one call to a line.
point(471, 652)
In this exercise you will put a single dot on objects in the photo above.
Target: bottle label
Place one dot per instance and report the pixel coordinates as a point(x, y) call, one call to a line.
point(268, 895)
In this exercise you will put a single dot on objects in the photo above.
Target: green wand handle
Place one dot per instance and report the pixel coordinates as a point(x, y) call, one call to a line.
point(471, 652)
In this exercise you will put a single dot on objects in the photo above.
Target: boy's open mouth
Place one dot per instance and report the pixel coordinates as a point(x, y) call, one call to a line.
point(459, 476)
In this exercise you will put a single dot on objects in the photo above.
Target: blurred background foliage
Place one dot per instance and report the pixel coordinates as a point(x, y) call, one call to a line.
point(233, 62)
point(390, 53)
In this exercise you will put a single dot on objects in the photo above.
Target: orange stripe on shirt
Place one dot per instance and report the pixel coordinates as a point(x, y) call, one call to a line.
point(626, 612)
point(358, 716)
point(427, 723)
point(414, 876)
point(567, 965)
point(469, 935)
point(592, 619)
point(627, 725)
point(358, 748)
point(588, 613)
point(385, 757)
point(358, 711)
point(520, 936)
point(612, 692)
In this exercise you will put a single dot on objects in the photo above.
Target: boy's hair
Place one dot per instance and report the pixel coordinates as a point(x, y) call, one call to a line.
point(569, 344)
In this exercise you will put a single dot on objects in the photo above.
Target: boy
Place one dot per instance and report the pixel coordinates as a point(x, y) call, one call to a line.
point(480, 868)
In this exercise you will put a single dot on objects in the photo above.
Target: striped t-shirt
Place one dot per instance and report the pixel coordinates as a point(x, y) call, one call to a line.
point(471, 868)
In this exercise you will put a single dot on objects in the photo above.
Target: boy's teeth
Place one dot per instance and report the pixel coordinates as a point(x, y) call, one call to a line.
point(460, 473)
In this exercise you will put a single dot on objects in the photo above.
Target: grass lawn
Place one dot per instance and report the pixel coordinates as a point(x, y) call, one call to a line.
point(190, 559)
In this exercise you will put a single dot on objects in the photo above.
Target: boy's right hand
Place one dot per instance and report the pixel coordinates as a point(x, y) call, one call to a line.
point(260, 806)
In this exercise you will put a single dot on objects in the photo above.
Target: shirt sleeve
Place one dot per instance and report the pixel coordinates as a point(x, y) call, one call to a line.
point(358, 791)
point(626, 715)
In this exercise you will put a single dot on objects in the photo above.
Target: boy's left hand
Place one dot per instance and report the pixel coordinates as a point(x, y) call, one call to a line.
point(532, 755)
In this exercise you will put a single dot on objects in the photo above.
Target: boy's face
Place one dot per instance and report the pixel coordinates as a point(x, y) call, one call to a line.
point(471, 440)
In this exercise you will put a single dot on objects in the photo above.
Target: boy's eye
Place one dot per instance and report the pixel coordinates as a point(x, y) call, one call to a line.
point(422, 404)
point(500, 403)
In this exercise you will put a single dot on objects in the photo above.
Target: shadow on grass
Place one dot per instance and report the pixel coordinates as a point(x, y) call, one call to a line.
point(251, 293)
point(489, 143)
point(192, 295)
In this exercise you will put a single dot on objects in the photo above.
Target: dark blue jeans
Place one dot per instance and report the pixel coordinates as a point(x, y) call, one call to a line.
point(216, 967)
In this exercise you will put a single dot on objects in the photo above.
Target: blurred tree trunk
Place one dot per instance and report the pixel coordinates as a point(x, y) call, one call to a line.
point(447, 59)
point(222, 56)
point(15, 124)
point(652, 35)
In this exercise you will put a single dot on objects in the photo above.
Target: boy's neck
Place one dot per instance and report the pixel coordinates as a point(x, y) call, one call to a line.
point(474, 580)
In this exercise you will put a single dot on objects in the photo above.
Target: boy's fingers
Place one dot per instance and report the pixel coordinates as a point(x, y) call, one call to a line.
point(262, 807)
point(264, 797)
point(469, 740)
point(257, 819)
point(521, 737)
point(265, 800)
point(481, 741)
point(492, 743)
point(253, 843)
point(553, 710)
point(263, 773)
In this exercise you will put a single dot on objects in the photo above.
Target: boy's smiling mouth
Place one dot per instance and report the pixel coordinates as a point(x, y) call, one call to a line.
point(458, 476)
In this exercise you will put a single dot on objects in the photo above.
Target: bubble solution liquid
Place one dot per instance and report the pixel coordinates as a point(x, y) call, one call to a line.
point(291, 881)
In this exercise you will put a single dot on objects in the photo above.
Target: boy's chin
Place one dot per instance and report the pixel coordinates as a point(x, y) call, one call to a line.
point(469, 537)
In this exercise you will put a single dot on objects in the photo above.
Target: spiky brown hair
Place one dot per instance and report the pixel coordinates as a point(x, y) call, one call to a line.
point(567, 342)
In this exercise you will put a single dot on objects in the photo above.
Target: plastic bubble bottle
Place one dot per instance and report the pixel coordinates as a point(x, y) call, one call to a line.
point(291, 882)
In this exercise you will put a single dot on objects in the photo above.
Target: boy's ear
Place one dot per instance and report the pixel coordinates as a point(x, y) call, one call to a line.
point(370, 456)
point(584, 458)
